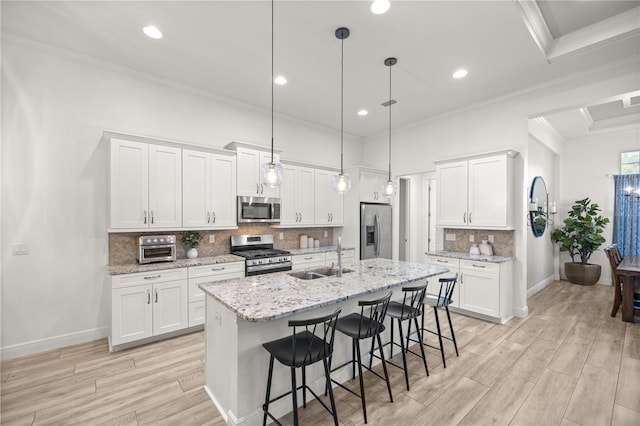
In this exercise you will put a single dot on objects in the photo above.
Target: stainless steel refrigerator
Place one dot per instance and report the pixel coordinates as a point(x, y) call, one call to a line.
point(375, 231)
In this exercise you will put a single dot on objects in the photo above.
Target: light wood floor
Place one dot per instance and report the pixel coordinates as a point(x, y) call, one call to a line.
point(567, 363)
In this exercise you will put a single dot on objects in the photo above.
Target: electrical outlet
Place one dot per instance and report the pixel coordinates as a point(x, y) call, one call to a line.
point(281, 235)
point(472, 238)
point(20, 249)
point(450, 237)
point(490, 238)
point(326, 234)
point(212, 238)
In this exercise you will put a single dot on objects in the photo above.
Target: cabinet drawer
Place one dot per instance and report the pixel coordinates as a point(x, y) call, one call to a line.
point(445, 262)
point(152, 277)
point(308, 258)
point(489, 268)
point(218, 269)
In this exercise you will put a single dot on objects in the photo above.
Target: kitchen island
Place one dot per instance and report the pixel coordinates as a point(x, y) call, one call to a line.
point(242, 314)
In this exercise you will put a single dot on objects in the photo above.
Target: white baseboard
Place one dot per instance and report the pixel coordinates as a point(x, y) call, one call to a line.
point(521, 312)
point(49, 343)
point(539, 286)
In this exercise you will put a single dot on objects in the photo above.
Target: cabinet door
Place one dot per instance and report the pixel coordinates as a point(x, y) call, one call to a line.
point(305, 198)
point(165, 187)
point(248, 164)
point(170, 306)
point(451, 193)
point(322, 181)
point(335, 202)
point(196, 185)
point(265, 191)
point(371, 187)
point(480, 292)
point(488, 191)
point(131, 314)
point(288, 208)
point(129, 184)
point(223, 189)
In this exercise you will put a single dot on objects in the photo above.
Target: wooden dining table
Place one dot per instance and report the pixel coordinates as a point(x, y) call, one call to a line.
point(628, 270)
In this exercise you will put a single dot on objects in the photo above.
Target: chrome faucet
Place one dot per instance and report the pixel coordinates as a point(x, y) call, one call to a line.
point(339, 274)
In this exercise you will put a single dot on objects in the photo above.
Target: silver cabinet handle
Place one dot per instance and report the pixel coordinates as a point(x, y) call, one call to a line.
point(258, 188)
point(152, 277)
point(145, 216)
point(261, 188)
point(308, 258)
point(461, 278)
point(152, 217)
point(214, 217)
point(328, 217)
point(464, 217)
point(478, 266)
point(218, 269)
point(156, 291)
point(441, 261)
point(208, 217)
point(469, 217)
point(331, 216)
point(300, 217)
point(148, 297)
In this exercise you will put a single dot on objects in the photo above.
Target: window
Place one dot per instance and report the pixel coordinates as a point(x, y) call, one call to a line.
point(630, 162)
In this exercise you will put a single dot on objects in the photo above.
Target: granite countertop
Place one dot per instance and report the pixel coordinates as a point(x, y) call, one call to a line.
point(181, 263)
point(273, 296)
point(314, 250)
point(467, 256)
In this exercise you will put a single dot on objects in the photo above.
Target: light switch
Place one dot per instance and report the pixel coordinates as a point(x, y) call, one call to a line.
point(472, 238)
point(212, 238)
point(19, 249)
point(281, 235)
point(490, 238)
point(326, 234)
point(450, 237)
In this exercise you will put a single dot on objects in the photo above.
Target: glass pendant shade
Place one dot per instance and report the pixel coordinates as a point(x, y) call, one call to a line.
point(341, 183)
point(389, 189)
point(272, 175)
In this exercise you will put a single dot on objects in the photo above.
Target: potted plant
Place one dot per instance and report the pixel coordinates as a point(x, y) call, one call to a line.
point(580, 236)
point(192, 240)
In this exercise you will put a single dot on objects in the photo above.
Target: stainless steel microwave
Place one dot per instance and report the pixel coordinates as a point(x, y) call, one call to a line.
point(258, 209)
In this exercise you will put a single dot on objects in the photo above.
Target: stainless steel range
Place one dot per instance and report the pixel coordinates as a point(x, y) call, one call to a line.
point(261, 257)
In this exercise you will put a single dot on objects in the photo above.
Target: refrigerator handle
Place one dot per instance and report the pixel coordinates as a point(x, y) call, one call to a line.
point(376, 241)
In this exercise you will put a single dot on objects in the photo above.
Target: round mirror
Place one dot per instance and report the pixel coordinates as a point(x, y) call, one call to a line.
point(538, 209)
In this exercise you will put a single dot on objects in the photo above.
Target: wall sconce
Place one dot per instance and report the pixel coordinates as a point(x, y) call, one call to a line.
point(631, 190)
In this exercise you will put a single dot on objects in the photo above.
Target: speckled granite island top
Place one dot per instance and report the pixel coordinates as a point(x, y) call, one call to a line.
point(313, 250)
point(474, 257)
point(181, 263)
point(273, 296)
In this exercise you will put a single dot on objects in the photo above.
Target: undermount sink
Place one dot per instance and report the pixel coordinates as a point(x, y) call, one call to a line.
point(318, 273)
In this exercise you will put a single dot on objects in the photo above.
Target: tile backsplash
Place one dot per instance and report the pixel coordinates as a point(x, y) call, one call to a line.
point(503, 241)
point(123, 247)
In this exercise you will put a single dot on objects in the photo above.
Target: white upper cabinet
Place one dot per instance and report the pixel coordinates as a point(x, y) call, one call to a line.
point(249, 172)
point(209, 190)
point(145, 185)
point(329, 204)
point(371, 187)
point(476, 192)
point(297, 195)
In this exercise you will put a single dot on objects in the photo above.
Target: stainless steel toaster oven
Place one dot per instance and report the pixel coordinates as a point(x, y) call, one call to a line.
point(156, 248)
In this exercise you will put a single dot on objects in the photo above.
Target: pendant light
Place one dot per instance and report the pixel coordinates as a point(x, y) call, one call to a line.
point(390, 188)
point(272, 175)
point(342, 182)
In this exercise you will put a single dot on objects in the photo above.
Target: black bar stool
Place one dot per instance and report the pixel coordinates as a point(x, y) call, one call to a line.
point(442, 300)
point(314, 343)
point(411, 308)
point(368, 323)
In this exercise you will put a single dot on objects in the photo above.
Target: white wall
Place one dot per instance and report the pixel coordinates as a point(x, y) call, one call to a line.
point(55, 106)
point(540, 251)
point(500, 124)
point(584, 169)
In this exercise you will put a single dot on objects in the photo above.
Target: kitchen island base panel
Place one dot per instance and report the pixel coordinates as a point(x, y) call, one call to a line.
point(237, 364)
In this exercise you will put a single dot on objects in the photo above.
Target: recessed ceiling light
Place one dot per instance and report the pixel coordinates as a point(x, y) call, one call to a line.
point(152, 31)
point(460, 73)
point(281, 80)
point(363, 112)
point(380, 6)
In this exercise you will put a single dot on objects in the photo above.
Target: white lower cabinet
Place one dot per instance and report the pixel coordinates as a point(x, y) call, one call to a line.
point(317, 260)
point(205, 274)
point(148, 304)
point(483, 288)
point(454, 268)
